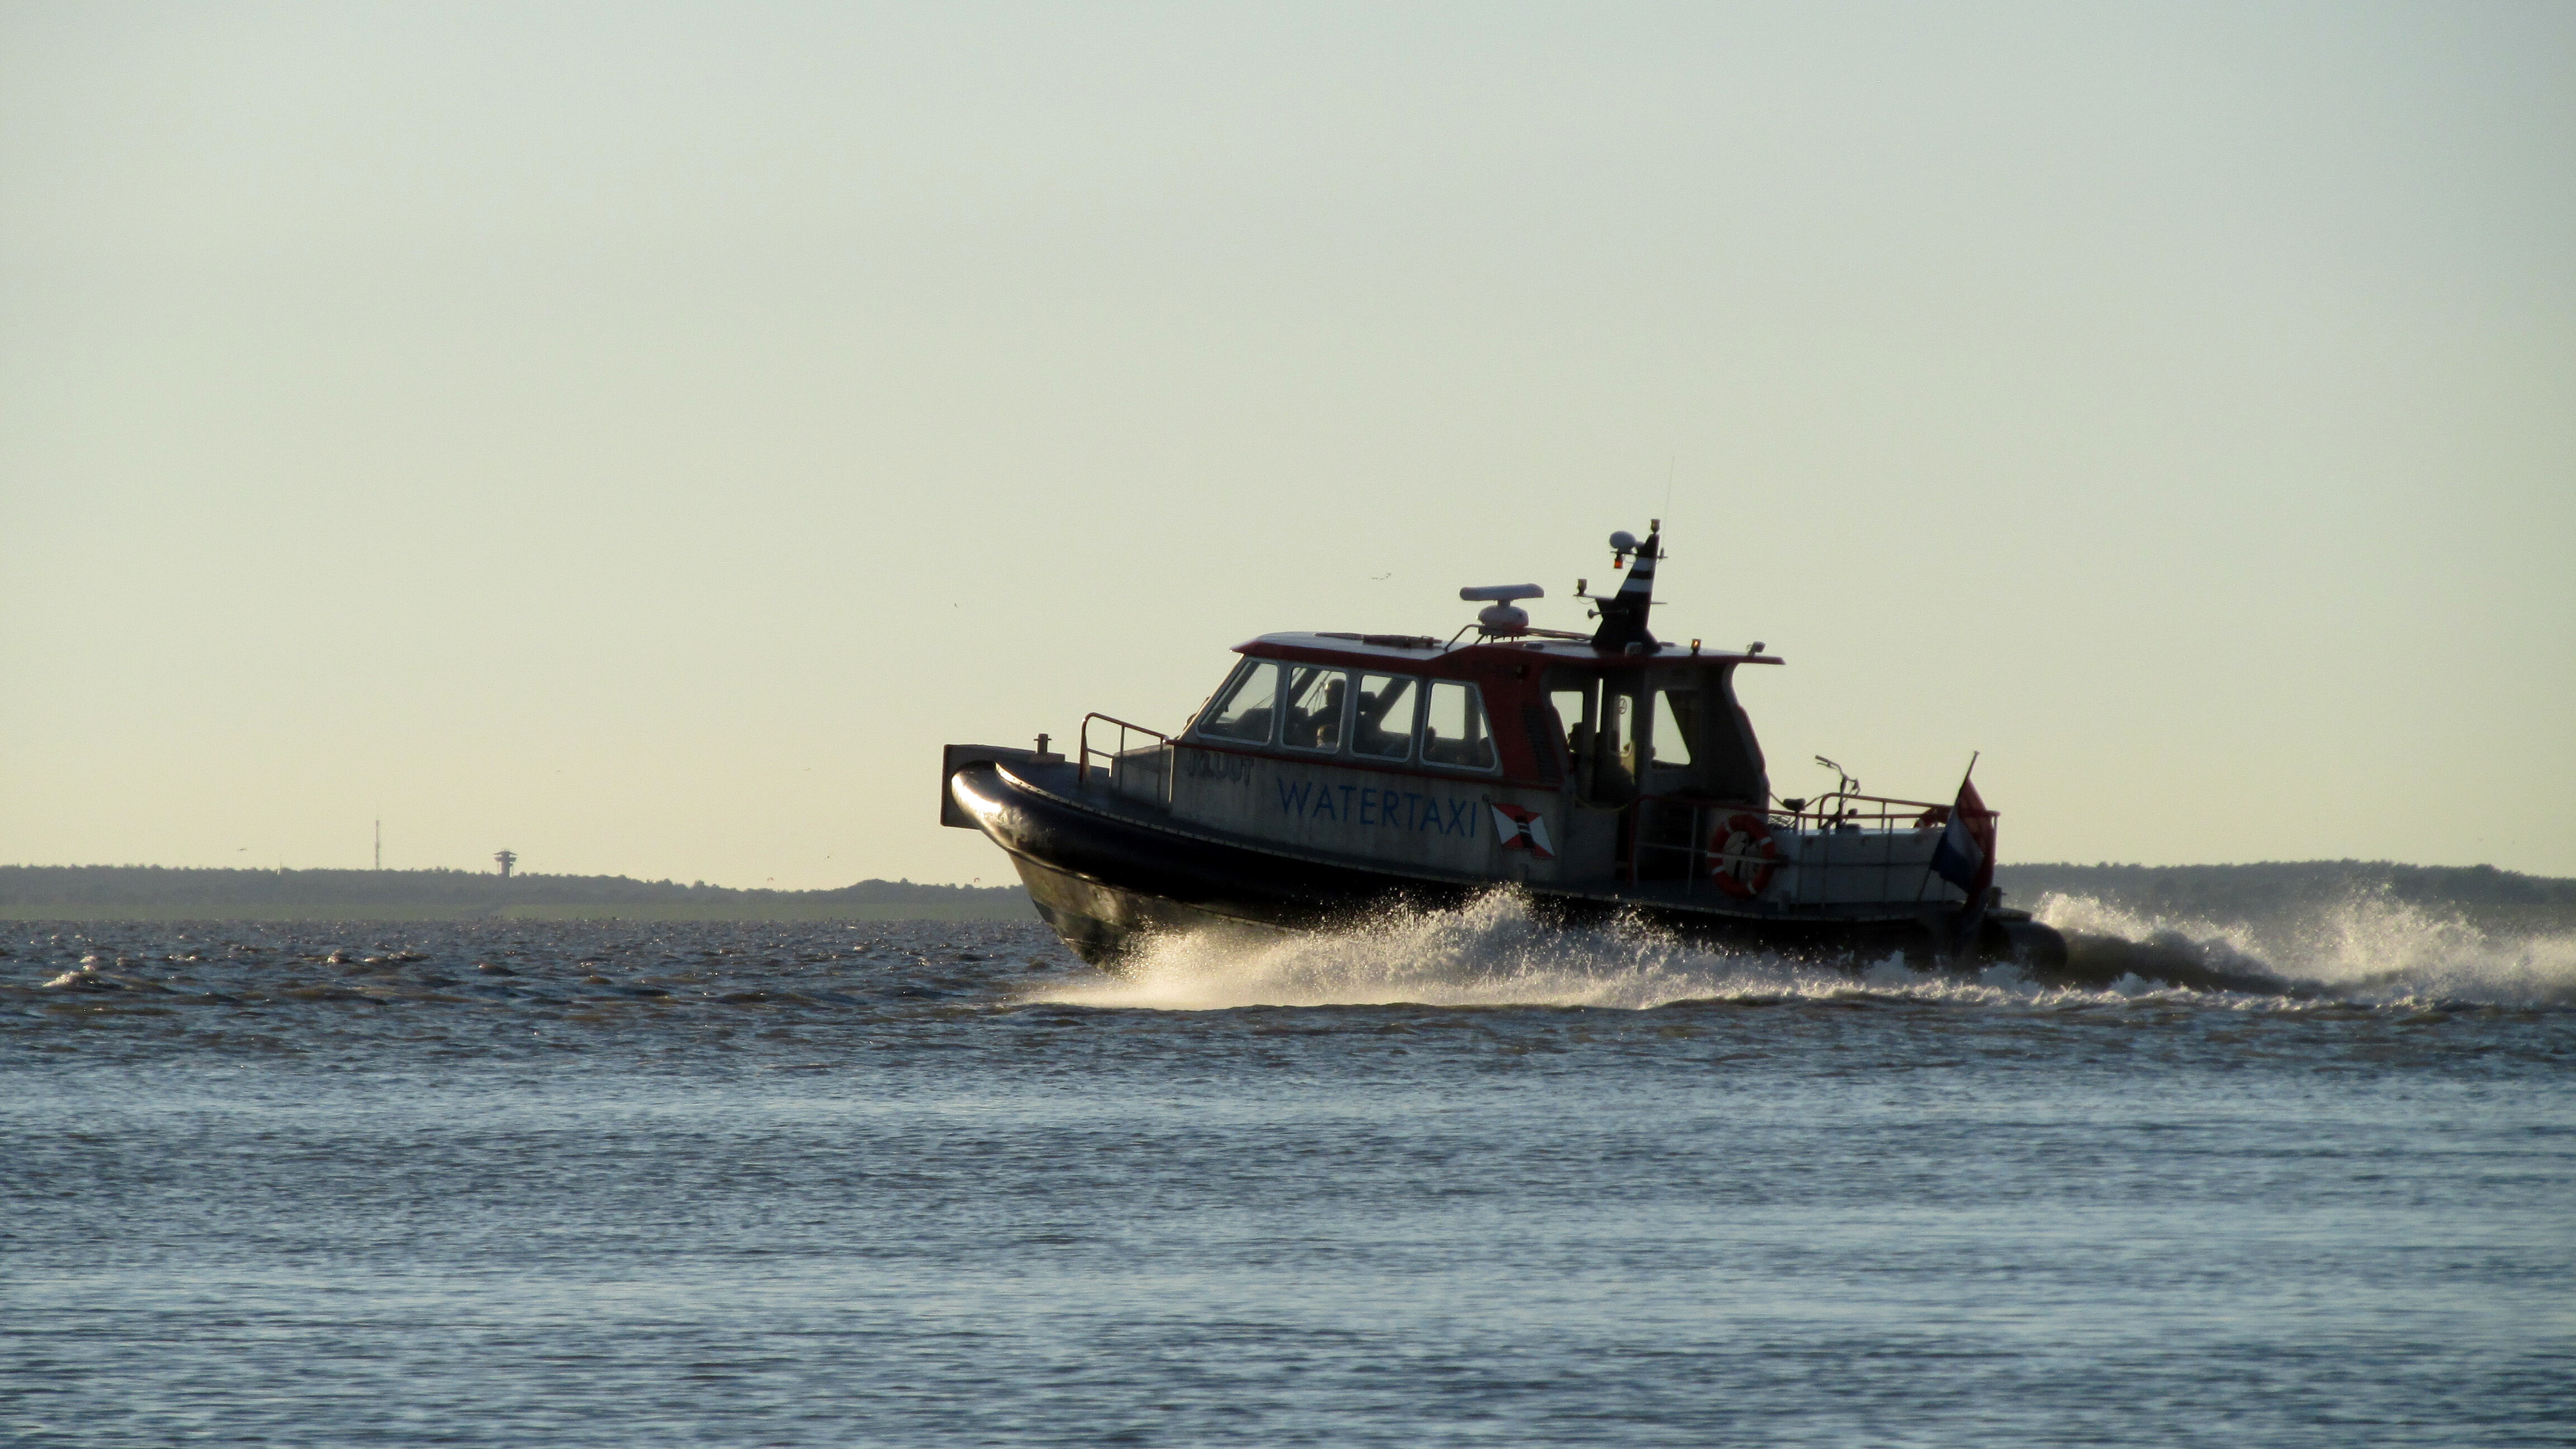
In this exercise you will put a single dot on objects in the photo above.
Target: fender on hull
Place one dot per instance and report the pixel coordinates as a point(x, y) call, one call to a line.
point(1105, 884)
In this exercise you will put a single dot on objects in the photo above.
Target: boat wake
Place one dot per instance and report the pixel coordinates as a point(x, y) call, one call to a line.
point(1490, 953)
point(2369, 949)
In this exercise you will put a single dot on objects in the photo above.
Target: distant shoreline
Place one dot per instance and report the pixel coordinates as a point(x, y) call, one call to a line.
point(162, 894)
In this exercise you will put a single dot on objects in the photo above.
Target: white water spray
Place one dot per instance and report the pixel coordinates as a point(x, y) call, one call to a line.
point(2370, 949)
point(1490, 953)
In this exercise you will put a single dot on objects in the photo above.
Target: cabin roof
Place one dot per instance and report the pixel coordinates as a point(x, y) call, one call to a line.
point(1366, 649)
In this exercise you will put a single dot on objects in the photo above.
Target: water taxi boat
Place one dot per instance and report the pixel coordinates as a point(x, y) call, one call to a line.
point(1605, 777)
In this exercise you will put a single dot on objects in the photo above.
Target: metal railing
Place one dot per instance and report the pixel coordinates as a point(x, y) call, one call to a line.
point(1121, 765)
point(1833, 834)
point(1863, 812)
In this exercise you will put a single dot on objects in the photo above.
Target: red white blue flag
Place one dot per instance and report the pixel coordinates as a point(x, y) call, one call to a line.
point(1966, 855)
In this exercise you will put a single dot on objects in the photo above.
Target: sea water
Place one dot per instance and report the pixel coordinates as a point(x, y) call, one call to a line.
point(1447, 1179)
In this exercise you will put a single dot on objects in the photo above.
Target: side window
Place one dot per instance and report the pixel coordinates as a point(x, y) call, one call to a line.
point(1572, 706)
point(1453, 727)
point(1317, 700)
point(1676, 725)
point(1245, 707)
point(1384, 728)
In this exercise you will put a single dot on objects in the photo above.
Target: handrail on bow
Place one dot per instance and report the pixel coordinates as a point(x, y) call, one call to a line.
point(1111, 757)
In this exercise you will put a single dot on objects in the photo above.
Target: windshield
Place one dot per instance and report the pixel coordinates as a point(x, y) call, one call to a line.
point(1243, 710)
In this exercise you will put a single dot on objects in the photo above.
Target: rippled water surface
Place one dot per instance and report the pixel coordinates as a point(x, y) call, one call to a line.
point(1449, 1180)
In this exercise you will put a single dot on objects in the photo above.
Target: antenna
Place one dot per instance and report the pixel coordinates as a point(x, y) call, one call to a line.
point(1623, 615)
point(380, 845)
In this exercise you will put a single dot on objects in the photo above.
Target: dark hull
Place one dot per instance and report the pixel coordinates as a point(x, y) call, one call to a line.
point(1105, 881)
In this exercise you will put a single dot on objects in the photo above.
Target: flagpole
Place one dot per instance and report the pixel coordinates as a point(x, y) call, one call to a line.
point(1925, 884)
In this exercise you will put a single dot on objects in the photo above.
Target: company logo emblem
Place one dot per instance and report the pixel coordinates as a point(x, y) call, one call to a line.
point(1521, 828)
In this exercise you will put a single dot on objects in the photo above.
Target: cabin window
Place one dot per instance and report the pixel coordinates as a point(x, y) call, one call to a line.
point(1317, 701)
point(1573, 714)
point(1245, 708)
point(1453, 727)
point(1676, 726)
point(1573, 708)
point(1384, 706)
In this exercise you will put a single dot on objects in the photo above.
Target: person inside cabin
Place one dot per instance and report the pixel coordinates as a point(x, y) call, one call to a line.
point(1314, 709)
point(1378, 708)
point(1615, 780)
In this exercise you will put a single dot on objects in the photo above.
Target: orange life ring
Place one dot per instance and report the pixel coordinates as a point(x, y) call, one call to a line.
point(1743, 855)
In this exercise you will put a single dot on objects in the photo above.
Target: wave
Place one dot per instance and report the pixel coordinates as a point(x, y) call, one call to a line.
point(2369, 949)
point(1492, 953)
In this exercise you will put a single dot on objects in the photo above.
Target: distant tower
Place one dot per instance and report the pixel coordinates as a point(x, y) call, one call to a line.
point(380, 845)
point(508, 858)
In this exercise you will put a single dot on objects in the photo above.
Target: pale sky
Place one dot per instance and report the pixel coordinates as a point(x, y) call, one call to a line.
point(640, 436)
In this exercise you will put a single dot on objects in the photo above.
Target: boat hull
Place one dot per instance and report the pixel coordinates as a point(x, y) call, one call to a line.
point(1107, 883)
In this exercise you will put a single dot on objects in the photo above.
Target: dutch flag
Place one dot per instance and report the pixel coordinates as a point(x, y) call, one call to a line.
point(1966, 855)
